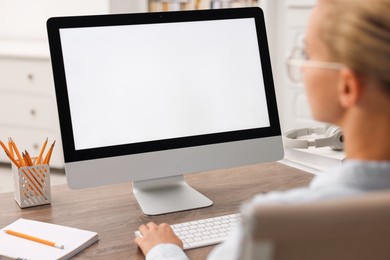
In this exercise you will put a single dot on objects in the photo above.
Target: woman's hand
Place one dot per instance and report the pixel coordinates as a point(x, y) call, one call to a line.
point(153, 234)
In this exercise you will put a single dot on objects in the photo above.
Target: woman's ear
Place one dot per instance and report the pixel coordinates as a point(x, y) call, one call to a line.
point(349, 88)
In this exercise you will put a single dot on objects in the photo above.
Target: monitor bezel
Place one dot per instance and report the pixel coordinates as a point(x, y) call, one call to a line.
point(55, 24)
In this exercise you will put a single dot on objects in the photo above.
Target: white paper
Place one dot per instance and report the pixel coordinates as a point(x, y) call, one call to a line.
point(73, 239)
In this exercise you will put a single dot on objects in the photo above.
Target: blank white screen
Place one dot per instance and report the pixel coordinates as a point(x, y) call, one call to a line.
point(137, 83)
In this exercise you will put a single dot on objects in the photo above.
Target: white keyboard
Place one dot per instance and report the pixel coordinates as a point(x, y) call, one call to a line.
point(204, 232)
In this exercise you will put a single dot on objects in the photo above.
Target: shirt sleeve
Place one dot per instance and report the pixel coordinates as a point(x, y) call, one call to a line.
point(166, 252)
point(230, 248)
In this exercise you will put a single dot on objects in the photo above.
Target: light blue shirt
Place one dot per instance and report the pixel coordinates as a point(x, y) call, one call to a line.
point(350, 179)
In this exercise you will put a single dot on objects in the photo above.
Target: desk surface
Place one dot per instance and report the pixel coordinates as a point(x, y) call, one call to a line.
point(113, 212)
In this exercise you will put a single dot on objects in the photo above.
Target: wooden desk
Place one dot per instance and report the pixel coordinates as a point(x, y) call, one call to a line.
point(113, 212)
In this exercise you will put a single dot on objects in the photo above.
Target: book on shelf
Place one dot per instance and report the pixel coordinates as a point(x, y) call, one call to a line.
point(318, 159)
point(31, 245)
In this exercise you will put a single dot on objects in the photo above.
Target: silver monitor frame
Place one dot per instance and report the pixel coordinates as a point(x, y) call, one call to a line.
point(156, 168)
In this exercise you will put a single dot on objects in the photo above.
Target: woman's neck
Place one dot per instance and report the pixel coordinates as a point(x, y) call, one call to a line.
point(368, 137)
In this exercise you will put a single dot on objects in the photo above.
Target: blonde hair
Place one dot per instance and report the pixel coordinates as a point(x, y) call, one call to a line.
point(357, 33)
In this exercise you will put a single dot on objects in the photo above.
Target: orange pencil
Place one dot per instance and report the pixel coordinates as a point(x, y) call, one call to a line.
point(48, 155)
point(38, 159)
point(20, 158)
point(10, 156)
point(12, 159)
point(11, 150)
point(27, 159)
point(4, 147)
point(35, 239)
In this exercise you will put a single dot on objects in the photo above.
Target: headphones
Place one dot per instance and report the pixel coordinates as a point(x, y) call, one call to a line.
point(333, 137)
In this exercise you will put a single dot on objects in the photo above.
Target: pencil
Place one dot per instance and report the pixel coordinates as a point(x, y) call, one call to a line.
point(30, 163)
point(12, 159)
point(17, 152)
point(27, 159)
point(11, 149)
point(41, 152)
point(4, 147)
point(48, 155)
point(35, 239)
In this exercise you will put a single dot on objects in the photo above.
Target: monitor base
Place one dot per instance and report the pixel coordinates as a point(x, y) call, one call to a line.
point(167, 195)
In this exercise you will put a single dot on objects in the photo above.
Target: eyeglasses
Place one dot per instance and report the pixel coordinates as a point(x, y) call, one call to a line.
point(297, 58)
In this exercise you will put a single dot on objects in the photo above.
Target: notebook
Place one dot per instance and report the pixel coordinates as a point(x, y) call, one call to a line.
point(74, 240)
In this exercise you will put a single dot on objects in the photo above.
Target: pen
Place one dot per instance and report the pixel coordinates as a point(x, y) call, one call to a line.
point(35, 239)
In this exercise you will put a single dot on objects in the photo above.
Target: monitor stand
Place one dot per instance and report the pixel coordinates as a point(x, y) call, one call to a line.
point(167, 195)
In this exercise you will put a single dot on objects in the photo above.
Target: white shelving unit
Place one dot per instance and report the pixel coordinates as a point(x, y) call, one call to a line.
point(27, 103)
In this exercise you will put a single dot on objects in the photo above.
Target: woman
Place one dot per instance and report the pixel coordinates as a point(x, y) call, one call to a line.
point(345, 66)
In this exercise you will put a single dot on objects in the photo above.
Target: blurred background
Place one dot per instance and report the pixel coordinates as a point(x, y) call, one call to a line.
point(28, 110)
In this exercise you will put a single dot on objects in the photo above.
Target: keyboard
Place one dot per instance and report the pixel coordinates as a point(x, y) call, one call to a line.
point(204, 232)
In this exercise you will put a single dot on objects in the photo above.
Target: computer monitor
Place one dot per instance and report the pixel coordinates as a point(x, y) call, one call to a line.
point(149, 97)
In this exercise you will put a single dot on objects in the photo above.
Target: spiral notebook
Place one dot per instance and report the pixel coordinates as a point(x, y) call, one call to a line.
point(73, 240)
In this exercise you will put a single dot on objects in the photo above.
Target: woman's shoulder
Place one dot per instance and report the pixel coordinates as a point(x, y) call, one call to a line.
point(349, 179)
point(358, 174)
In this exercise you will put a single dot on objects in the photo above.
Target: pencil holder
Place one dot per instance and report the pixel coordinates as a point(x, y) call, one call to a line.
point(32, 185)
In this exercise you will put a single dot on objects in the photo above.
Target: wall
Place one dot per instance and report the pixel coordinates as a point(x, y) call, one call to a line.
point(26, 20)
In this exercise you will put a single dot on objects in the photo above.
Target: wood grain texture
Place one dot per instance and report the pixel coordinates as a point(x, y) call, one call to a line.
point(113, 212)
